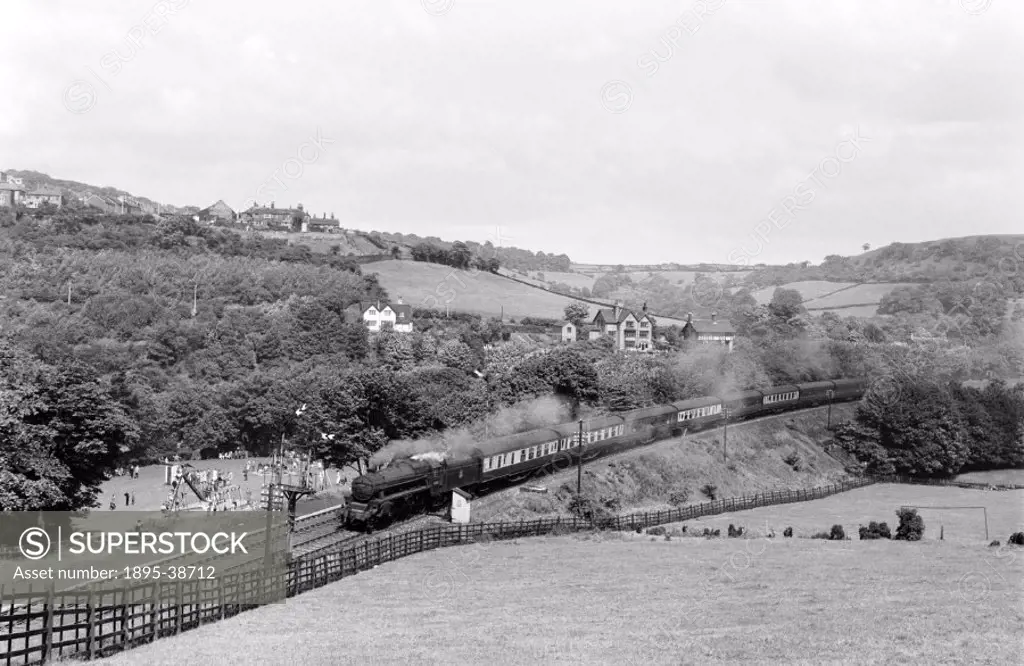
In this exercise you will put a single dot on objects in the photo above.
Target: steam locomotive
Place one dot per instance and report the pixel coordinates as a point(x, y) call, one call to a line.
point(425, 482)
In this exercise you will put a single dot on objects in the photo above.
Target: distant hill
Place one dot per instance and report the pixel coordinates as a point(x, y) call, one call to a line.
point(954, 259)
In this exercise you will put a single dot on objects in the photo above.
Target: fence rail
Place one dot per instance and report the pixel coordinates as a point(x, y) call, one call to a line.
point(894, 478)
point(42, 625)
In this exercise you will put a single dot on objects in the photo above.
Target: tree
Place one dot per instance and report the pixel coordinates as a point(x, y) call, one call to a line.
point(866, 246)
point(396, 252)
point(786, 304)
point(60, 434)
point(577, 314)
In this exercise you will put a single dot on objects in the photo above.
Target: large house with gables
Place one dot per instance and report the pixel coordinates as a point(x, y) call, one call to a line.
point(377, 315)
point(631, 331)
point(715, 331)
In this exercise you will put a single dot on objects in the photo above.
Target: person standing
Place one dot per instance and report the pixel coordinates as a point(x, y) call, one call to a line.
point(126, 498)
point(133, 498)
point(113, 503)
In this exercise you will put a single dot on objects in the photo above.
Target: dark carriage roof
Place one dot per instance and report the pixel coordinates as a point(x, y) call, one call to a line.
point(694, 403)
point(595, 423)
point(741, 395)
point(647, 412)
point(806, 386)
point(785, 388)
point(491, 447)
point(860, 381)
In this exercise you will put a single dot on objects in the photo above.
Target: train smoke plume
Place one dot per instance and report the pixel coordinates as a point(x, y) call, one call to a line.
point(520, 417)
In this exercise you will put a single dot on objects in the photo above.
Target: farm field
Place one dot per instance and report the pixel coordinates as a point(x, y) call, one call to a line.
point(422, 284)
point(621, 599)
point(572, 279)
point(861, 294)
point(809, 290)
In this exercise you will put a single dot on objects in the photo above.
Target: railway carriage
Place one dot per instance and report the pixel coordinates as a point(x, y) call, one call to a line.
point(600, 434)
point(698, 413)
point(850, 389)
point(662, 420)
point(779, 399)
point(813, 394)
point(742, 404)
point(519, 454)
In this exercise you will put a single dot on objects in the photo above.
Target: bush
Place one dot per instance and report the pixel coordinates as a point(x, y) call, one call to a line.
point(821, 535)
point(875, 531)
point(709, 490)
point(709, 533)
point(793, 460)
point(994, 544)
point(911, 527)
point(837, 533)
point(735, 532)
point(1017, 539)
point(788, 532)
point(656, 531)
point(679, 497)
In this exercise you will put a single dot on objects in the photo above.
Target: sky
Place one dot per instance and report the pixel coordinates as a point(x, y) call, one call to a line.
point(724, 131)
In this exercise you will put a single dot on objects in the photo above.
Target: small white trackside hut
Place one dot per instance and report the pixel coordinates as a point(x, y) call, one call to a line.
point(460, 506)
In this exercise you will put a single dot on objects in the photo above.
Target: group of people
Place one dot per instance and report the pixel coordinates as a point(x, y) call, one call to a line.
point(231, 455)
point(130, 471)
point(128, 496)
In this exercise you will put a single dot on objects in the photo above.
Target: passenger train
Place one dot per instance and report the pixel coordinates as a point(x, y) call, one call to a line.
point(425, 482)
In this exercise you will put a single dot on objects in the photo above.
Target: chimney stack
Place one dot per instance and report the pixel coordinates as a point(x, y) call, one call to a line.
point(689, 317)
point(271, 205)
point(713, 315)
point(645, 307)
point(618, 305)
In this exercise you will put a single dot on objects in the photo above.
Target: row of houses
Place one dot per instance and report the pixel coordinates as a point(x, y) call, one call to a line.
point(268, 217)
point(13, 193)
point(634, 331)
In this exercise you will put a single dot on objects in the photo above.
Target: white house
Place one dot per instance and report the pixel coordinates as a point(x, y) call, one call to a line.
point(379, 315)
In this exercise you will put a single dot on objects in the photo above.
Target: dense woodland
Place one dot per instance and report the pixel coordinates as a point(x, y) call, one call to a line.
point(125, 339)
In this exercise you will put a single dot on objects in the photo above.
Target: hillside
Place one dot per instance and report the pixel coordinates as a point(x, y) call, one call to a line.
point(952, 259)
point(434, 286)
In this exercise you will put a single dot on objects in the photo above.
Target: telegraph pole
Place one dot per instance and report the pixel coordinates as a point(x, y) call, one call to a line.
point(579, 461)
point(829, 394)
point(725, 436)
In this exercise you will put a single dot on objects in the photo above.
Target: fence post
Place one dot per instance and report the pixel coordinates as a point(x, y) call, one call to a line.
point(90, 626)
point(124, 615)
point(48, 619)
point(180, 588)
point(154, 616)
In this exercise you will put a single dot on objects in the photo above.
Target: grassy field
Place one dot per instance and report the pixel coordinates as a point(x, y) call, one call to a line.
point(862, 293)
point(1008, 476)
point(431, 285)
point(621, 599)
point(1004, 510)
point(809, 290)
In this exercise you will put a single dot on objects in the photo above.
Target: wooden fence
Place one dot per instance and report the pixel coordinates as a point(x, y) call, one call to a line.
point(36, 626)
point(946, 482)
